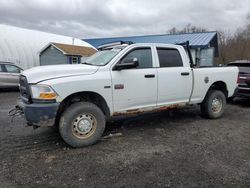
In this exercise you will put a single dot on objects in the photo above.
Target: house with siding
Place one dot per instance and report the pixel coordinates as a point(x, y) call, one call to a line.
point(58, 53)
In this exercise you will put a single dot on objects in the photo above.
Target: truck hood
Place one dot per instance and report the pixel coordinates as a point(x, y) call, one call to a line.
point(38, 74)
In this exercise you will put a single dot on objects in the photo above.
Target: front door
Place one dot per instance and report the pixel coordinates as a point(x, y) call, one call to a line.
point(13, 75)
point(135, 88)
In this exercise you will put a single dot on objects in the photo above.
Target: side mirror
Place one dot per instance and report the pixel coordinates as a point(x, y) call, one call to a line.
point(127, 64)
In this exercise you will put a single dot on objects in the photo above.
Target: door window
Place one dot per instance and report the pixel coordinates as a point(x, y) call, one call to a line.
point(143, 55)
point(1, 68)
point(12, 69)
point(169, 57)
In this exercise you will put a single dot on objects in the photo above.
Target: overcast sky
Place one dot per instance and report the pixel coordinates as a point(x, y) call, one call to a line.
point(106, 18)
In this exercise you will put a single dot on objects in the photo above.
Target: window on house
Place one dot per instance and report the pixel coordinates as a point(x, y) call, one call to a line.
point(74, 60)
point(207, 57)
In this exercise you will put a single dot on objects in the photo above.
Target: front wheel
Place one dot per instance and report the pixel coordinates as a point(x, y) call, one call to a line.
point(82, 124)
point(213, 105)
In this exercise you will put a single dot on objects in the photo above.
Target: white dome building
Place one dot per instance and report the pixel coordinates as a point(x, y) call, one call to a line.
point(22, 46)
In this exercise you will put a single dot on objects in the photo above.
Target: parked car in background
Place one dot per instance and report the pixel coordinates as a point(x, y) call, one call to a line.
point(9, 75)
point(244, 77)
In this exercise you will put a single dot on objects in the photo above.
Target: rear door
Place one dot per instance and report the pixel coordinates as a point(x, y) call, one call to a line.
point(174, 79)
point(135, 88)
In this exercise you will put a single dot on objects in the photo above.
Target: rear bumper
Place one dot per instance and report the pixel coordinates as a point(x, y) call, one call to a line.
point(245, 92)
point(39, 114)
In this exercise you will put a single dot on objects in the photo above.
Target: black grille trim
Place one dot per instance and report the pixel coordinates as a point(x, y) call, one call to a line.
point(24, 89)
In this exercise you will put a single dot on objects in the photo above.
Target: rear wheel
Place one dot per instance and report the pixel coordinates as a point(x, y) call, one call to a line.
point(82, 124)
point(213, 105)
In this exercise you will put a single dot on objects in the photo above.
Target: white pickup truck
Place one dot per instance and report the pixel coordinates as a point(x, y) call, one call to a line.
point(119, 80)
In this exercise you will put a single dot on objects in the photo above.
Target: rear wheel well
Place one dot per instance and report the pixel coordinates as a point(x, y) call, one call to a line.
point(91, 97)
point(220, 85)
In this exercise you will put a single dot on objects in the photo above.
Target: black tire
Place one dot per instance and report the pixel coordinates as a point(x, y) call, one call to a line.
point(70, 122)
point(207, 108)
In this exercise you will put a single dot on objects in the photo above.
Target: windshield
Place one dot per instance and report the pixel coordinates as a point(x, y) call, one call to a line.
point(101, 58)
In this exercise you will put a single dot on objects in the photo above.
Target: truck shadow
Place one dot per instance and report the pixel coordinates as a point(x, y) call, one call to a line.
point(49, 140)
point(163, 119)
point(240, 101)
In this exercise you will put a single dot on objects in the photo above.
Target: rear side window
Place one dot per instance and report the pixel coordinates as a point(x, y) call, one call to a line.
point(244, 69)
point(169, 57)
point(2, 68)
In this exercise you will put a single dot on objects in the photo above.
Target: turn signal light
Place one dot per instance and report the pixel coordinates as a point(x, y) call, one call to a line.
point(47, 95)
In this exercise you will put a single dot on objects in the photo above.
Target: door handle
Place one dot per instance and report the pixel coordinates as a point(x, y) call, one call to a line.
point(185, 73)
point(149, 76)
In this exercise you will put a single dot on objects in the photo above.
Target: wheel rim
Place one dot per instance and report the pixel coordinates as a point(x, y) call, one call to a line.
point(216, 105)
point(84, 126)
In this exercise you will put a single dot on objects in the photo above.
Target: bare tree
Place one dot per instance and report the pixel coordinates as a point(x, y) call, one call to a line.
point(222, 39)
point(172, 31)
point(189, 28)
point(236, 46)
point(231, 46)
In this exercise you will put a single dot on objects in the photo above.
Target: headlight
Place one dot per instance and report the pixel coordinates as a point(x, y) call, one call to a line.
point(42, 92)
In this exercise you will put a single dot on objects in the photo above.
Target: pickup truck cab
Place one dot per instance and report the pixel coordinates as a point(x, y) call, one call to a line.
point(120, 80)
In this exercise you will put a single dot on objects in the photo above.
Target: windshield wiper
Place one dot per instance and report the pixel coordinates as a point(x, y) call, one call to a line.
point(86, 63)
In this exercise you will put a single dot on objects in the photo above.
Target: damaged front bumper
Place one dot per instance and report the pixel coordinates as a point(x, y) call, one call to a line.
point(39, 114)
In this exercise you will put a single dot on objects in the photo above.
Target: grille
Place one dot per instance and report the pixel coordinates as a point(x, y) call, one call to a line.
point(244, 78)
point(244, 90)
point(24, 89)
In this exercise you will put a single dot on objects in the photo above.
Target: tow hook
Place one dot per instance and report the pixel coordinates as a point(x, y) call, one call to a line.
point(17, 111)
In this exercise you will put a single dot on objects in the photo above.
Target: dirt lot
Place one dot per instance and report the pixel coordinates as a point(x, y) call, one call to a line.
point(178, 149)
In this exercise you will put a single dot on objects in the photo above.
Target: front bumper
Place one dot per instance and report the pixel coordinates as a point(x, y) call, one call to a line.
point(39, 114)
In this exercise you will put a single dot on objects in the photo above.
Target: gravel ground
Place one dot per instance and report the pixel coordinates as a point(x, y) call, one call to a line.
point(176, 149)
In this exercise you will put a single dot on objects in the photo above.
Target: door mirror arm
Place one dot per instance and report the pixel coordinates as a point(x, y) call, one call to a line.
point(126, 64)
